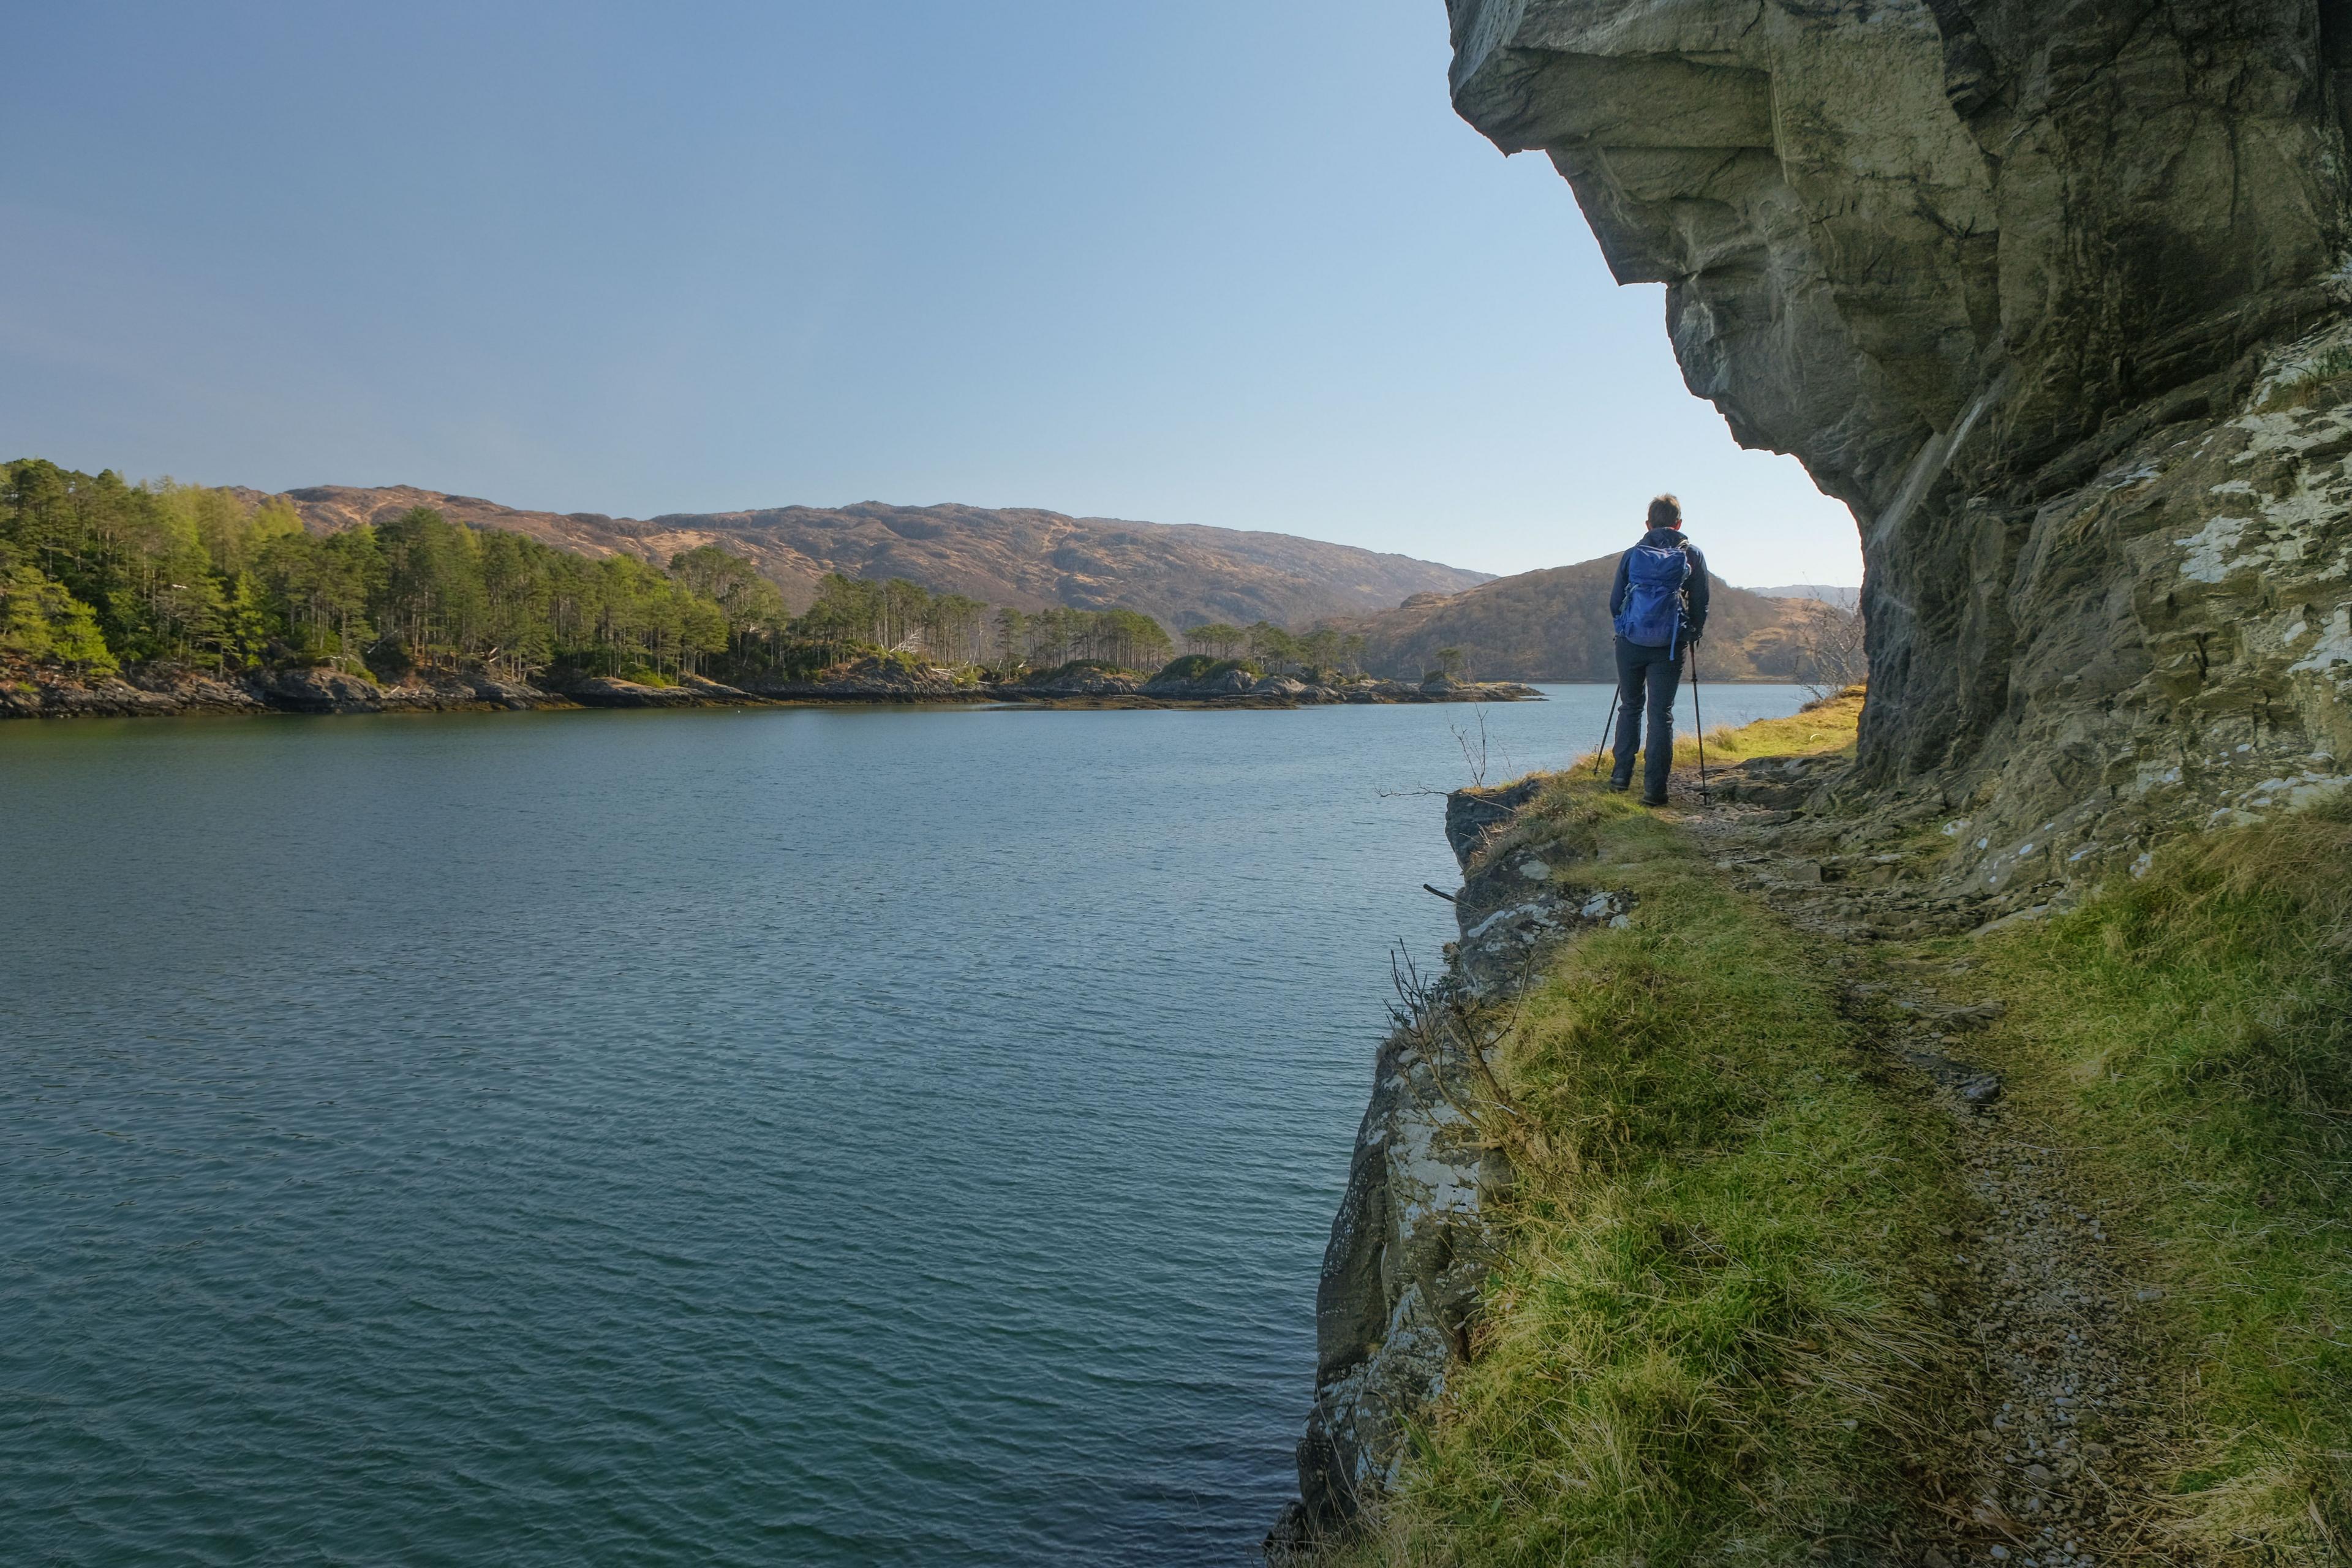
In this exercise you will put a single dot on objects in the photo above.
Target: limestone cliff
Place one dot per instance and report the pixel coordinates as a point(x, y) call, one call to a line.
point(2052, 293)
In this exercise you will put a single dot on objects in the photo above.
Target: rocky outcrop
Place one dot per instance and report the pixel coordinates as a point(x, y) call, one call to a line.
point(1101, 689)
point(1230, 682)
point(1410, 1248)
point(2053, 297)
point(1075, 680)
point(44, 691)
point(315, 691)
point(610, 692)
point(869, 680)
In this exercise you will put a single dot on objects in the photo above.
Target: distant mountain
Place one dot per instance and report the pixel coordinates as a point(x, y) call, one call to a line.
point(1184, 574)
point(1821, 593)
point(1554, 626)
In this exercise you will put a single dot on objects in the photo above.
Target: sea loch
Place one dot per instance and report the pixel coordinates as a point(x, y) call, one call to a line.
point(770, 1136)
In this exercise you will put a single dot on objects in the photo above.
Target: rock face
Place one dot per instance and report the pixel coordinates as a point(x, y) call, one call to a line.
point(2052, 295)
point(1410, 1248)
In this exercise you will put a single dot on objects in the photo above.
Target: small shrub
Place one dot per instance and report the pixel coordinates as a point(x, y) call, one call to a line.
point(391, 661)
point(1203, 667)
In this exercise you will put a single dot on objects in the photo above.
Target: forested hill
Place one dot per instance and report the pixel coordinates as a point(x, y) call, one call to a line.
point(1553, 624)
point(1028, 559)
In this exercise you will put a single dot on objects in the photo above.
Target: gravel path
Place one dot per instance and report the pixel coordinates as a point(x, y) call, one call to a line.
point(2045, 1469)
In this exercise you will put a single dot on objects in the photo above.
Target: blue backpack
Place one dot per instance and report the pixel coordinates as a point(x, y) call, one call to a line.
point(1653, 612)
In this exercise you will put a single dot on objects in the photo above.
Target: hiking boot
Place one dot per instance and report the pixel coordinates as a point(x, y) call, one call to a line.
point(1654, 799)
point(1616, 788)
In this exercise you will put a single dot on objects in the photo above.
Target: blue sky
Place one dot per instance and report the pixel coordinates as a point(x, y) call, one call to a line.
point(1215, 261)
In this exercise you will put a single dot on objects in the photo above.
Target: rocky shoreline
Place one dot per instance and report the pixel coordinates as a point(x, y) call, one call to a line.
point(1410, 1248)
point(44, 691)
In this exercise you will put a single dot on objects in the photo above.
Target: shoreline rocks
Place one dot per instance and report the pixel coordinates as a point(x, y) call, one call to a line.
point(1236, 688)
point(1409, 1247)
point(871, 680)
point(33, 691)
point(162, 691)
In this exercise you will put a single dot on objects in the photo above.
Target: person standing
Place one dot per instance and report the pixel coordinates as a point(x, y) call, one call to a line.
point(1658, 607)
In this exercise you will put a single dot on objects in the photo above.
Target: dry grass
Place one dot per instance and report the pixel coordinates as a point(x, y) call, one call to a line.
point(1829, 725)
point(2327, 379)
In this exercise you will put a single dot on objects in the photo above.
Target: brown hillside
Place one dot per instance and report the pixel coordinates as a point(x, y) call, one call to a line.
point(1022, 557)
point(1553, 624)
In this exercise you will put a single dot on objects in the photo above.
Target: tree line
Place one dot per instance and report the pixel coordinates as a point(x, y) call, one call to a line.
point(96, 571)
point(1272, 647)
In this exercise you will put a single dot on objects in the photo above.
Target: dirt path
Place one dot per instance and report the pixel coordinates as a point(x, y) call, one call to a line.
point(2048, 1467)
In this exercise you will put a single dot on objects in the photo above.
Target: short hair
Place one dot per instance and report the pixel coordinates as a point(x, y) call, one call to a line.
point(1666, 512)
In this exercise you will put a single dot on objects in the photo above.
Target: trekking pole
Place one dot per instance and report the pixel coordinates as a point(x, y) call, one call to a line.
point(1607, 725)
point(1698, 724)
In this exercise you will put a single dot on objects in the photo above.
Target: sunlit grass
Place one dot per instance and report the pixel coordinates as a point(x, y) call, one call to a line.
point(1825, 726)
point(1709, 1338)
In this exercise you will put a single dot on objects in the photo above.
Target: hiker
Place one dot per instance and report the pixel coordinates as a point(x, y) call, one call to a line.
point(1658, 605)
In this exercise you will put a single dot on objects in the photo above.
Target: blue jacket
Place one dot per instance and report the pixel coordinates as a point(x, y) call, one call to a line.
point(1694, 594)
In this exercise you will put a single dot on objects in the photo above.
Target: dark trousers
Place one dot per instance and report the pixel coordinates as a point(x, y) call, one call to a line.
point(1647, 679)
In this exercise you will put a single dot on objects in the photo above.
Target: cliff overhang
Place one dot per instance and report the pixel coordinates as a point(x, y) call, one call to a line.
point(2053, 298)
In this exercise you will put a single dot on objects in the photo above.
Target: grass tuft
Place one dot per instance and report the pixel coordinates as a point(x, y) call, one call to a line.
point(1712, 1335)
point(2327, 379)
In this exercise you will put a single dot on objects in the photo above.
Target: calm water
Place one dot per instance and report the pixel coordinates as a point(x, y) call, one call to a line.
point(826, 1137)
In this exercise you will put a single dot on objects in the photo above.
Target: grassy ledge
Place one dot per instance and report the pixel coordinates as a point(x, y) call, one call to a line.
point(1715, 1333)
point(1711, 1335)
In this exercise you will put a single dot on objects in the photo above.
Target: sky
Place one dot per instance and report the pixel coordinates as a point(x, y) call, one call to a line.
point(1231, 262)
